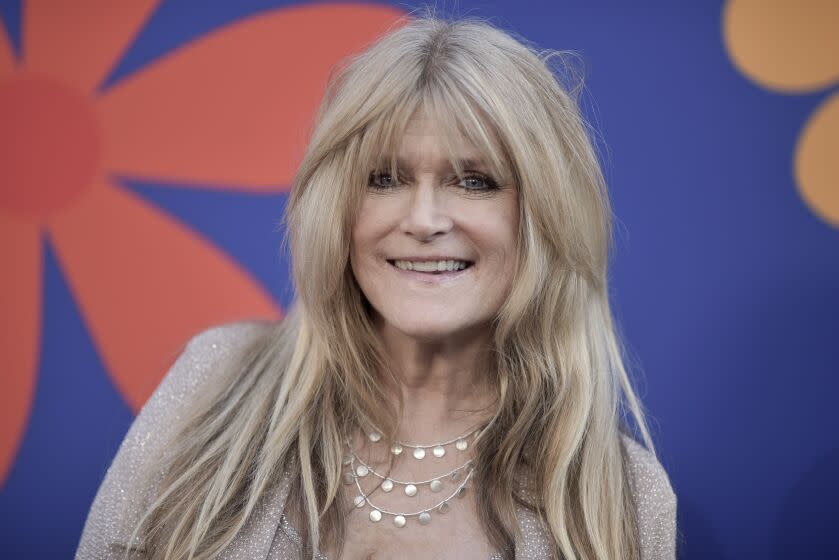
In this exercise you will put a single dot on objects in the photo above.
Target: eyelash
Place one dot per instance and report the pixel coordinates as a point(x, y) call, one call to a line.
point(489, 183)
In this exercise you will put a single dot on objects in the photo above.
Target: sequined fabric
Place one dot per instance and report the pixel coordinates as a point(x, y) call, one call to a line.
point(123, 495)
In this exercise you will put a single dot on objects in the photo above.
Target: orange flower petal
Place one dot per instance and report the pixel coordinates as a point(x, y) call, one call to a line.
point(816, 166)
point(7, 55)
point(20, 331)
point(79, 41)
point(145, 283)
point(787, 45)
point(235, 107)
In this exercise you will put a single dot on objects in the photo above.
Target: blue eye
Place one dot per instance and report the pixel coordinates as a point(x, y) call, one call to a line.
point(478, 182)
point(381, 180)
point(471, 181)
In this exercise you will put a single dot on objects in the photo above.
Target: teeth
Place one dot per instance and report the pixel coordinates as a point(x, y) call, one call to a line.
point(431, 266)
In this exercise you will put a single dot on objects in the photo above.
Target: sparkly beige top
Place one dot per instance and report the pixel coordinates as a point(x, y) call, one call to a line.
point(120, 500)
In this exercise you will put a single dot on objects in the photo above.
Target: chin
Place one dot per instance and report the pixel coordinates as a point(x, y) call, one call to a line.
point(427, 330)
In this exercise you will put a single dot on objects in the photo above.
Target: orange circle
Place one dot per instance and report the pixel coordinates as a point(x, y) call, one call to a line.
point(817, 161)
point(784, 45)
point(50, 146)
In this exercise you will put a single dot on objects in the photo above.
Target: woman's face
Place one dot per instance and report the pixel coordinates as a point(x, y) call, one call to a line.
point(424, 219)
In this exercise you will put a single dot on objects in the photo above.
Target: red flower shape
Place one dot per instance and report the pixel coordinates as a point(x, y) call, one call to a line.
point(231, 108)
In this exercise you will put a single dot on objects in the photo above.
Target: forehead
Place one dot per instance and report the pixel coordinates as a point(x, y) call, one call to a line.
point(425, 139)
point(428, 140)
point(427, 128)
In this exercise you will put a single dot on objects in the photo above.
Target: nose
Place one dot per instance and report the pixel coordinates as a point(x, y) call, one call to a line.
point(425, 217)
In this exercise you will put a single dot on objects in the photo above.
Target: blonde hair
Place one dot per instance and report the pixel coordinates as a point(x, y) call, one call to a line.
point(563, 391)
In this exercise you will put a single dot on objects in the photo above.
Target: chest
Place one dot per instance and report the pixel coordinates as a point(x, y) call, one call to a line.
point(455, 534)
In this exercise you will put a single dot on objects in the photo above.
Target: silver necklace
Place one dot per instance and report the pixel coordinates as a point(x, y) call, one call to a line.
point(461, 443)
point(359, 469)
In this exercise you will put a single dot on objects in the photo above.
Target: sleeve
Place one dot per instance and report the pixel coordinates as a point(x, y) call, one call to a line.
point(655, 502)
point(127, 489)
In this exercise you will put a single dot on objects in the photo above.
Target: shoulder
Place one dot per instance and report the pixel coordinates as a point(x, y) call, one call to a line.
point(204, 359)
point(217, 344)
point(128, 484)
point(205, 354)
point(655, 501)
point(651, 482)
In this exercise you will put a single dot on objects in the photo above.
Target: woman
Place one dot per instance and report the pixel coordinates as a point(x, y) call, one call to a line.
point(448, 383)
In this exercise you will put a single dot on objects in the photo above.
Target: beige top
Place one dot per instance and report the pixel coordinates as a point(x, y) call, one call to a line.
point(267, 534)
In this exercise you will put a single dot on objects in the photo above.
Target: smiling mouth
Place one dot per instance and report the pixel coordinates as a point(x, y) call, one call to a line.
point(432, 268)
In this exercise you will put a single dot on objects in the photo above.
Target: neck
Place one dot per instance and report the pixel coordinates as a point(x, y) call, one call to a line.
point(443, 383)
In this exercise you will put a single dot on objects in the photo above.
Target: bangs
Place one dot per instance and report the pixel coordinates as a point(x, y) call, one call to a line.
point(462, 121)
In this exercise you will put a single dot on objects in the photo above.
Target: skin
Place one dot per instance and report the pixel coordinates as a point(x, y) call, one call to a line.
point(436, 334)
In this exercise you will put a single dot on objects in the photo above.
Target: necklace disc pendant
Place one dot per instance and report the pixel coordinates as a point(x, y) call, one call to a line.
point(362, 470)
point(387, 485)
point(360, 501)
point(444, 507)
point(425, 518)
point(375, 516)
point(411, 490)
point(439, 451)
point(396, 449)
point(399, 521)
point(419, 453)
point(436, 485)
point(374, 436)
point(461, 444)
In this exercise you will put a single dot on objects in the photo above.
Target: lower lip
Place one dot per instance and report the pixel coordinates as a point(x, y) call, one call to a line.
point(431, 277)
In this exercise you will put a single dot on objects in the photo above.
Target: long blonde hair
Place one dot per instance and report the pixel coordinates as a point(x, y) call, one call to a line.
point(563, 391)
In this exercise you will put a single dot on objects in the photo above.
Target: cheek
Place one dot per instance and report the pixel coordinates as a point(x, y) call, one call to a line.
point(370, 228)
point(500, 260)
point(495, 230)
point(497, 236)
point(364, 231)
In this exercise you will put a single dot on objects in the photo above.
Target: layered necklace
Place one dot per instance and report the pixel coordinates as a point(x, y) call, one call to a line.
point(459, 477)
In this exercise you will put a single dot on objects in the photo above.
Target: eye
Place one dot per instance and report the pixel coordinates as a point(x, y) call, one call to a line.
point(473, 181)
point(381, 180)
